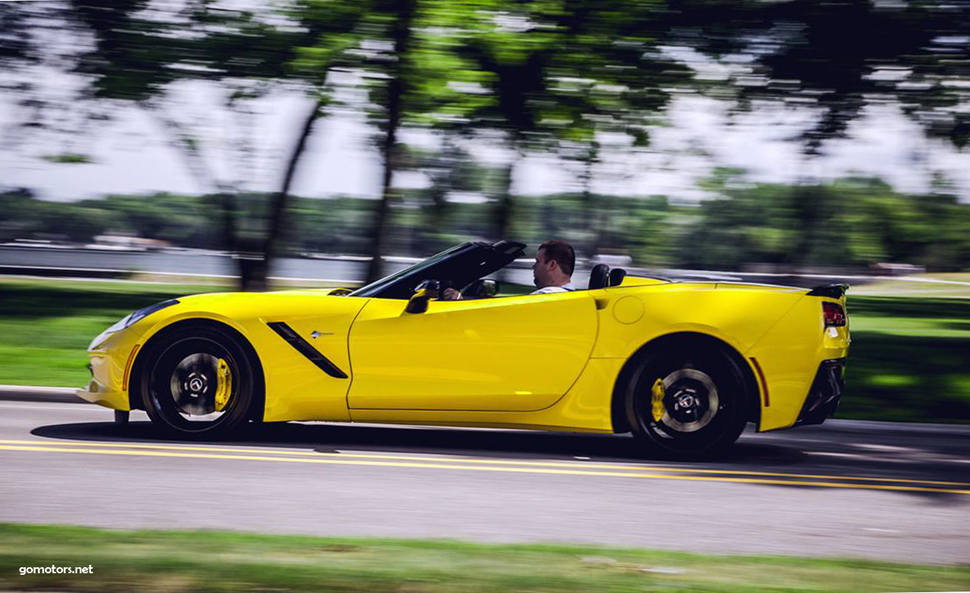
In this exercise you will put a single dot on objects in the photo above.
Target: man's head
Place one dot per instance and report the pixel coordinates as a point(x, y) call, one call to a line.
point(554, 264)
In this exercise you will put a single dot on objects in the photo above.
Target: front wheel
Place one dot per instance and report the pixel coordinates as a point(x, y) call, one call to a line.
point(198, 381)
point(687, 400)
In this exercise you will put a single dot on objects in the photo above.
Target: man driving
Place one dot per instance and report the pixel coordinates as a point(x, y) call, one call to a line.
point(552, 270)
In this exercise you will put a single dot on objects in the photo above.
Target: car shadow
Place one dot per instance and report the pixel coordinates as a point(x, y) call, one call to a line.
point(751, 455)
point(413, 440)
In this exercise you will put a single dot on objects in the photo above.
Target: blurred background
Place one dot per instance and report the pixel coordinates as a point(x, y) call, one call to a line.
point(164, 147)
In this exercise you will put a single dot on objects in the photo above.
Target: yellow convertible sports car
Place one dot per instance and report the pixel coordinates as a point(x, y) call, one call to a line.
point(682, 365)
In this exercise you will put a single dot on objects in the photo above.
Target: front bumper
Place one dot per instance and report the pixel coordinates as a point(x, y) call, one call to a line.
point(97, 393)
point(110, 364)
point(823, 398)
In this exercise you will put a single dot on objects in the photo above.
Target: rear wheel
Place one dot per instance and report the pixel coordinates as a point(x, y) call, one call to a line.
point(688, 399)
point(198, 381)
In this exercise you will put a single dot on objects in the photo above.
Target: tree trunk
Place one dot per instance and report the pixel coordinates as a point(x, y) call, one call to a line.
point(253, 271)
point(595, 215)
point(431, 238)
point(261, 264)
point(253, 261)
point(808, 205)
point(401, 34)
point(502, 217)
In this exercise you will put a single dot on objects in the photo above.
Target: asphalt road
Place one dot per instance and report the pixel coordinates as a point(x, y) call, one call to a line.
point(885, 491)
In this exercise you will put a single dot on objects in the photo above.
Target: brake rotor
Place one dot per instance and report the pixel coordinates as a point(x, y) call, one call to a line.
point(194, 382)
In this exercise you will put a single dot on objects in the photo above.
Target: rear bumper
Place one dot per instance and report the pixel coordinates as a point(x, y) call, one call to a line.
point(825, 393)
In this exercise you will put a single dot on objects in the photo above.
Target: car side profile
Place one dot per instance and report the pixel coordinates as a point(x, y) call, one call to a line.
point(682, 365)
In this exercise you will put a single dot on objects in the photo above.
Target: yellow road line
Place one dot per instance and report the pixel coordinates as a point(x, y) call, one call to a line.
point(147, 453)
point(584, 466)
point(685, 470)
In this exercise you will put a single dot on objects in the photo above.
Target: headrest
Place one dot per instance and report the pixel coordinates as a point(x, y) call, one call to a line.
point(599, 276)
point(616, 276)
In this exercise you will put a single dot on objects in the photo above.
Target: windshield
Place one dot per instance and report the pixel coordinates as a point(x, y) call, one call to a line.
point(375, 288)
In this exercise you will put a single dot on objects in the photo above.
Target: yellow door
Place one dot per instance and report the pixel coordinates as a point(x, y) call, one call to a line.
point(514, 354)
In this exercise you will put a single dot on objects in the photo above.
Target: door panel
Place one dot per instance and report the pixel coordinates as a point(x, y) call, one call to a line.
point(515, 353)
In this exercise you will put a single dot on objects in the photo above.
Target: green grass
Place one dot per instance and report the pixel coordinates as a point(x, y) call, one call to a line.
point(46, 325)
point(908, 360)
point(185, 562)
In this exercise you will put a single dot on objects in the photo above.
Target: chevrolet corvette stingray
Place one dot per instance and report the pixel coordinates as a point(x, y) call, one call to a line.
point(682, 365)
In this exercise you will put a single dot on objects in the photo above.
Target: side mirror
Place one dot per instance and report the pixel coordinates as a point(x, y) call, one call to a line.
point(489, 288)
point(423, 293)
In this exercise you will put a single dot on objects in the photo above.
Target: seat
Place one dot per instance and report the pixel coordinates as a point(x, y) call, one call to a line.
point(599, 276)
point(616, 276)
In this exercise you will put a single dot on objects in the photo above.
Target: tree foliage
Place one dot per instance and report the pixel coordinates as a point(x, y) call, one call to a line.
point(837, 57)
point(539, 76)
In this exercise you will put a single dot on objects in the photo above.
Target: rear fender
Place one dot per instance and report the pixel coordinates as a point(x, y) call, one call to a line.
point(751, 384)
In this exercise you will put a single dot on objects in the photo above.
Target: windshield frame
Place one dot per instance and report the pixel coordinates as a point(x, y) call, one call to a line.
point(455, 267)
point(374, 288)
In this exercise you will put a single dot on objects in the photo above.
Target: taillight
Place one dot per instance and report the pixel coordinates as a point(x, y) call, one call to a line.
point(834, 314)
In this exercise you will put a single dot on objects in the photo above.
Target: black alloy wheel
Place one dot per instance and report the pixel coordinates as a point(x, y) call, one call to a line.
point(198, 381)
point(687, 400)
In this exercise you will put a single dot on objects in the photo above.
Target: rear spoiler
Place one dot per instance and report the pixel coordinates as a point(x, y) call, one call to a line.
point(832, 291)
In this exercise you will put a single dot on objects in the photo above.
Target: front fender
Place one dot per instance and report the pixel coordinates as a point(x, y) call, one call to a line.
point(295, 387)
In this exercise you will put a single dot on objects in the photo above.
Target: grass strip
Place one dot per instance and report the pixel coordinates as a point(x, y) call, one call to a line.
point(46, 325)
point(194, 561)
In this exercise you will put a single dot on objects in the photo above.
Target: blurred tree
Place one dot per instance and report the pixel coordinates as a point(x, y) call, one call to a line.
point(393, 23)
point(836, 59)
point(137, 52)
point(614, 76)
point(855, 222)
point(448, 169)
point(551, 75)
point(15, 40)
point(402, 76)
point(16, 208)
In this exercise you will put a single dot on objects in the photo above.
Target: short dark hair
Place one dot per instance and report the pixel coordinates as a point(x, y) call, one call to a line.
point(562, 253)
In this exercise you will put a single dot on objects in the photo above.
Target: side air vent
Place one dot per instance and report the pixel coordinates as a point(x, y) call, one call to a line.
point(303, 347)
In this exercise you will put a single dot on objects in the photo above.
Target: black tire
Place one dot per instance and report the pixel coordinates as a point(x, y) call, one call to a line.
point(703, 397)
point(184, 358)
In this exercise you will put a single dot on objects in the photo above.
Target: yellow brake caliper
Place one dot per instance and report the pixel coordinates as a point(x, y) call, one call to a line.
point(223, 385)
point(658, 391)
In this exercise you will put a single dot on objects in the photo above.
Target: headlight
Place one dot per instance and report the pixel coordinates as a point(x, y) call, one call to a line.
point(119, 325)
point(129, 320)
point(146, 311)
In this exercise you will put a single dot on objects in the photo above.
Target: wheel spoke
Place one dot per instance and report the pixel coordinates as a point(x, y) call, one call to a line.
point(692, 401)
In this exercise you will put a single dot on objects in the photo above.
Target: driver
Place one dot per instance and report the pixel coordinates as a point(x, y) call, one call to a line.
point(551, 272)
